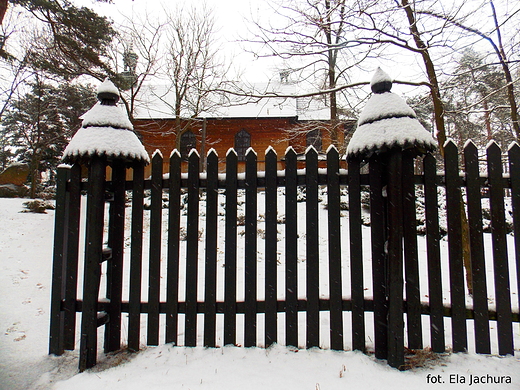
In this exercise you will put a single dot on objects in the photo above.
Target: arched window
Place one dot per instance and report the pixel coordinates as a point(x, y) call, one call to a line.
point(188, 142)
point(314, 139)
point(242, 143)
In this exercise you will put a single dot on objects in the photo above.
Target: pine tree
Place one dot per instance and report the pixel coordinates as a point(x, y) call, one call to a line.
point(76, 41)
point(39, 125)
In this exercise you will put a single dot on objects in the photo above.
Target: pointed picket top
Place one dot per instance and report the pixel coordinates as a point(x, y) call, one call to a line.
point(450, 144)
point(289, 149)
point(211, 152)
point(330, 148)
point(513, 146)
point(231, 151)
point(175, 153)
point(311, 149)
point(193, 151)
point(269, 150)
point(155, 153)
point(493, 144)
point(468, 143)
point(332, 153)
point(386, 123)
point(250, 150)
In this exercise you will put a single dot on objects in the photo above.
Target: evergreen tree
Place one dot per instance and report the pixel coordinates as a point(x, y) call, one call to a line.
point(74, 41)
point(39, 125)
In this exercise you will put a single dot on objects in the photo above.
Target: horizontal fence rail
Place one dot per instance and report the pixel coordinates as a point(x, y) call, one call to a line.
point(258, 258)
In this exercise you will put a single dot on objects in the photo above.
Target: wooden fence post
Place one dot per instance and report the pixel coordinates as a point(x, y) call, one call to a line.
point(105, 137)
point(93, 259)
point(389, 136)
point(58, 264)
point(395, 261)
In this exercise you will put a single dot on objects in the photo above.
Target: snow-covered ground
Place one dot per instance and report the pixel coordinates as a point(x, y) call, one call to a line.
point(25, 277)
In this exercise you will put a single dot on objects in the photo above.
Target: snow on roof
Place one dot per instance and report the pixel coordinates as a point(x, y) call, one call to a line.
point(157, 100)
point(106, 130)
point(387, 122)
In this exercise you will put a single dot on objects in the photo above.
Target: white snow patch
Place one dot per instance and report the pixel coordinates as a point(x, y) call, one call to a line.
point(380, 76)
point(108, 86)
point(383, 106)
point(102, 115)
point(389, 133)
point(106, 140)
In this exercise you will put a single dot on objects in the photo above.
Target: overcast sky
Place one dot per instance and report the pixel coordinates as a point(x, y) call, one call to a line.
point(231, 15)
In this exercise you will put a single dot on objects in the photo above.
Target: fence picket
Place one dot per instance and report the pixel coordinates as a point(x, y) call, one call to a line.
point(514, 173)
point(454, 210)
point(395, 261)
point(192, 250)
point(500, 258)
point(116, 242)
point(431, 207)
point(291, 249)
point(250, 257)
point(72, 258)
point(411, 256)
point(379, 272)
point(312, 260)
point(58, 263)
point(333, 210)
point(136, 258)
point(356, 255)
point(154, 267)
point(271, 215)
point(92, 267)
point(173, 254)
point(210, 297)
point(230, 282)
point(478, 267)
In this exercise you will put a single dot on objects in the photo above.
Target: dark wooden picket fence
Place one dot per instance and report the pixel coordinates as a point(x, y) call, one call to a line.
point(394, 254)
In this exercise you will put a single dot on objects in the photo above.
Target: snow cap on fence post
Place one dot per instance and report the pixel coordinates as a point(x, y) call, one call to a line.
point(106, 131)
point(387, 123)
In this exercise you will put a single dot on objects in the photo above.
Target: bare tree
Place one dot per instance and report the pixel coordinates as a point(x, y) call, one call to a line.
point(193, 68)
point(498, 48)
point(313, 39)
point(136, 57)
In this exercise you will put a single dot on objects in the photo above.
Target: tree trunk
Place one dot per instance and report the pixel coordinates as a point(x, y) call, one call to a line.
point(438, 106)
point(507, 73)
point(3, 9)
point(35, 175)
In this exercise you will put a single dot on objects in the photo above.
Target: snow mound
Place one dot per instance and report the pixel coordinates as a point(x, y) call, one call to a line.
point(112, 116)
point(386, 134)
point(106, 131)
point(387, 122)
point(114, 143)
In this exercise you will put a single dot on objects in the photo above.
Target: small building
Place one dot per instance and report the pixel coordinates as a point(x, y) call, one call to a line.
point(279, 122)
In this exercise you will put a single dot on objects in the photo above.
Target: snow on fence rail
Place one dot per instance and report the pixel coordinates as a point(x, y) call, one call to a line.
point(228, 286)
